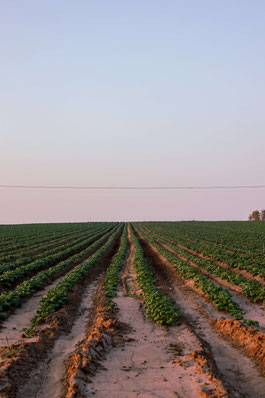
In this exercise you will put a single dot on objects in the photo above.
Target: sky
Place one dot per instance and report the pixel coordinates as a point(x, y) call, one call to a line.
point(122, 93)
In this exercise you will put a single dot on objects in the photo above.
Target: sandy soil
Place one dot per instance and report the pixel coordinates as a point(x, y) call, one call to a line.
point(30, 274)
point(152, 361)
point(21, 317)
point(240, 376)
point(254, 311)
point(43, 354)
point(45, 382)
point(137, 358)
point(244, 273)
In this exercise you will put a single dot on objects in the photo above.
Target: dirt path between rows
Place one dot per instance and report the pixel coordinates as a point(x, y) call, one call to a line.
point(20, 317)
point(244, 273)
point(53, 263)
point(45, 382)
point(11, 328)
point(254, 311)
point(151, 361)
point(240, 376)
point(38, 356)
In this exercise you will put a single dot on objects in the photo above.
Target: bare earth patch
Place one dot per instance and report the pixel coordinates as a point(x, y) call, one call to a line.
point(238, 372)
point(151, 361)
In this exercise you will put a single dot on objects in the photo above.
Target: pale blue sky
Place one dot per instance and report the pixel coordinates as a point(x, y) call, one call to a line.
point(131, 93)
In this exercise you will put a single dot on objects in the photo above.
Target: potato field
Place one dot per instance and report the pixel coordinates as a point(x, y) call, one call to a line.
point(142, 309)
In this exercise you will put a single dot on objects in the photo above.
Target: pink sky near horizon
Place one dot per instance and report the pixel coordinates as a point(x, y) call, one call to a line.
point(33, 206)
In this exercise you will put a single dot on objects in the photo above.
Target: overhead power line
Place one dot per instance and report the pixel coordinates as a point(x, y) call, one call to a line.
point(134, 187)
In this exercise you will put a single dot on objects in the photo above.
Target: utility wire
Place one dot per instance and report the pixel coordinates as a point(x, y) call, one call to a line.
point(134, 187)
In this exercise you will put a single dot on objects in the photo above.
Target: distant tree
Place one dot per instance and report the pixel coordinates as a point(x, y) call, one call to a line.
point(255, 216)
point(262, 215)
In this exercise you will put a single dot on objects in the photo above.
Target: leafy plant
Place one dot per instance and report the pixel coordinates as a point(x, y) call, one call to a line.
point(219, 296)
point(11, 352)
point(27, 288)
point(58, 296)
point(30, 332)
point(158, 306)
point(112, 274)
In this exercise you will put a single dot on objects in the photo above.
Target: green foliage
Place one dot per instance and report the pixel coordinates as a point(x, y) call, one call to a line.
point(27, 288)
point(58, 296)
point(158, 306)
point(254, 216)
point(219, 296)
point(30, 332)
point(252, 289)
point(239, 241)
point(215, 239)
point(11, 352)
point(250, 322)
point(18, 258)
point(112, 274)
point(11, 276)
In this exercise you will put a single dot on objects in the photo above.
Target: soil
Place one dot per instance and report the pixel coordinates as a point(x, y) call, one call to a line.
point(254, 311)
point(32, 353)
point(244, 273)
point(45, 382)
point(151, 361)
point(19, 280)
point(21, 317)
point(240, 376)
point(84, 351)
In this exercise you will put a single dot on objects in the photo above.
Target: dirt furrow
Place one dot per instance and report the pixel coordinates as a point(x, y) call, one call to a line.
point(244, 273)
point(254, 311)
point(32, 352)
point(148, 360)
point(239, 374)
point(45, 382)
point(21, 317)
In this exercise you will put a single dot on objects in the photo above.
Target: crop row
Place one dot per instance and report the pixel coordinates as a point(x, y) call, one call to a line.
point(27, 288)
point(9, 277)
point(31, 250)
point(17, 237)
point(27, 260)
point(219, 296)
point(239, 237)
point(58, 296)
point(52, 250)
point(255, 266)
point(112, 273)
point(251, 289)
point(158, 306)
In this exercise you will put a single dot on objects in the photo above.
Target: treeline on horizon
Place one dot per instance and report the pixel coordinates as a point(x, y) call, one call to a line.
point(257, 215)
